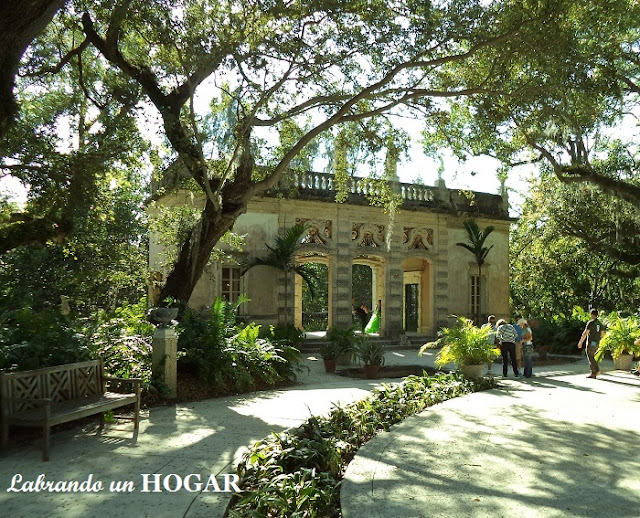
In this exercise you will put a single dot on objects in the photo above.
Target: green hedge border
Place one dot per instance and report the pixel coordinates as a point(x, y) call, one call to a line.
point(298, 472)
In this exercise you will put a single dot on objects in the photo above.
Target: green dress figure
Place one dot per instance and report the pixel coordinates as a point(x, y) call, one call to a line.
point(374, 322)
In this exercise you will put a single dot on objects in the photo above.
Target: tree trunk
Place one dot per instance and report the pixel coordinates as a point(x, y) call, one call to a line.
point(196, 251)
point(20, 22)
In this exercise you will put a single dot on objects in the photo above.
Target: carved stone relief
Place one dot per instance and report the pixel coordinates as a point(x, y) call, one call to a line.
point(418, 238)
point(368, 235)
point(319, 231)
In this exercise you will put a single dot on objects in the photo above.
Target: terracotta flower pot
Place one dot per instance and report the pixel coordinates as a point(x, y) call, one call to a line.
point(371, 371)
point(329, 365)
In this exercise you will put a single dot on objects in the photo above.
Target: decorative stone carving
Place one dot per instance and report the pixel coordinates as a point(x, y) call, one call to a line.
point(368, 235)
point(318, 231)
point(418, 238)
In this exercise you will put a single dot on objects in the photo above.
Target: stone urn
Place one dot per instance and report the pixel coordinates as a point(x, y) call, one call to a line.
point(472, 371)
point(623, 362)
point(162, 317)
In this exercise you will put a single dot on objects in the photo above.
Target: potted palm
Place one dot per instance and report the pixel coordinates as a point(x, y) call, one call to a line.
point(620, 340)
point(371, 355)
point(329, 352)
point(465, 345)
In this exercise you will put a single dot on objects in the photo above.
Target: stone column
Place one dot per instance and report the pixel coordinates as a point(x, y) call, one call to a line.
point(164, 358)
point(341, 275)
point(441, 287)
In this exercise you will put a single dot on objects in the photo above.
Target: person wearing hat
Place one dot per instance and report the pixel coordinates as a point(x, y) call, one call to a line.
point(527, 347)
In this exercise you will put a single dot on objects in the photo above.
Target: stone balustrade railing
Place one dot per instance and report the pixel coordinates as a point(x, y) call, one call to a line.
point(320, 182)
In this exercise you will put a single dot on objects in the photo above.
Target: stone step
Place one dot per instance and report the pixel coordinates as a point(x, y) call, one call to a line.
point(309, 345)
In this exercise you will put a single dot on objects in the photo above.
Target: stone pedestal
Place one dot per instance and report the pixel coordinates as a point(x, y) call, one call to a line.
point(164, 358)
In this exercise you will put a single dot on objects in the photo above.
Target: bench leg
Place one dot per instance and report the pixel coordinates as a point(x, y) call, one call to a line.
point(5, 438)
point(46, 432)
point(46, 438)
point(136, 417)
point(101, 420)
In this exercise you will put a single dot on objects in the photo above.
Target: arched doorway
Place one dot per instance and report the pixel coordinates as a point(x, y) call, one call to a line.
point(367, 285)
point(312, 314)
point(418, 296)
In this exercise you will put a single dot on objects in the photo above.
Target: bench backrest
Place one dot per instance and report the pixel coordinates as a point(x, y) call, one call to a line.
point(58, 383)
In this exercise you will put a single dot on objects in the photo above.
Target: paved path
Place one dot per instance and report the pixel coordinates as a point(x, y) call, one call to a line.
point(560, 445)
point(207, 438)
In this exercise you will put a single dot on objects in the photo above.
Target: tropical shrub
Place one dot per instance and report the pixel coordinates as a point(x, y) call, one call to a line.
point(123, 338)
point(620, 336)
point(33, 339)
point(232, 356)
point(465, 344)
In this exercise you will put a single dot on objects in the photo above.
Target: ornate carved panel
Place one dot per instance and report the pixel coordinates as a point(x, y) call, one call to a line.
point(418, 238)
point(319, 231)
point(368, 235)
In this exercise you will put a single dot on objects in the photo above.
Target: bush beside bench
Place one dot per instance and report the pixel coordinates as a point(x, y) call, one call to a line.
point(46, 397)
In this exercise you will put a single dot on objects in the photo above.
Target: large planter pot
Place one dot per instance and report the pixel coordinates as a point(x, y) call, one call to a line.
point(623, 362)
point(329, 365)
point(472, 371)
point(371, 371)
point(344, 358)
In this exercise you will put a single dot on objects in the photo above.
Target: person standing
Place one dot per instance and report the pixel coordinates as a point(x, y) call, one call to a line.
point(591, 335)
point(491, 338)
point(527, 347)
point(518, 328)
point(506, 335)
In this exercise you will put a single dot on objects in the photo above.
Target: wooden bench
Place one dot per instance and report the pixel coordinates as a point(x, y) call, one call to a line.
point(43, 398)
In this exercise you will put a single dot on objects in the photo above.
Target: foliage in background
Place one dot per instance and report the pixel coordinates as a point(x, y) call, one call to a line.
point(231, 356)
point(315, 306)
point(124, 339)
point(361, 285)
point(101, 266)
point(33, 339)
point(574, 246)
point(297, 472)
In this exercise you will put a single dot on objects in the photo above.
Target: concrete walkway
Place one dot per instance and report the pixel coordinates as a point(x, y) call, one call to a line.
point(557, 445)
point(206, 439)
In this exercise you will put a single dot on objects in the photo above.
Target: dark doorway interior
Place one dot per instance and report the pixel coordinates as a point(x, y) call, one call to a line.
point(411, 307)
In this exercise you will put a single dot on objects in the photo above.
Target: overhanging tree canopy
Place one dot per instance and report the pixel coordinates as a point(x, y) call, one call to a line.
point(299, 69)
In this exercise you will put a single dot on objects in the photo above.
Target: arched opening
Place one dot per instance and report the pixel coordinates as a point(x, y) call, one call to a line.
point(418, 308)
point(367, 288)
point(312, 313)
point(315, 306)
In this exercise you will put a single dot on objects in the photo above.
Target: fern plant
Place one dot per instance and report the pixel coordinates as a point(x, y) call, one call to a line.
point(620, 336)
point(465, 344)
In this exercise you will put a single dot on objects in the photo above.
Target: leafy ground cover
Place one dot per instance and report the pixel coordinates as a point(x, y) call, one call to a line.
point(298, 472)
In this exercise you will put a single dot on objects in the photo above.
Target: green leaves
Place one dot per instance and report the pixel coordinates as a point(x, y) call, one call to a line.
point(466, 344)
point(298, 472)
